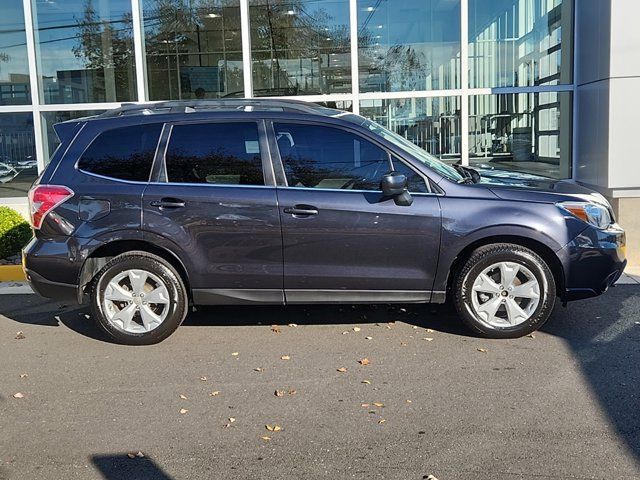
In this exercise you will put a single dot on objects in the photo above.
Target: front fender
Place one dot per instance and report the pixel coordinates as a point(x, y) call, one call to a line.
point(469, 221)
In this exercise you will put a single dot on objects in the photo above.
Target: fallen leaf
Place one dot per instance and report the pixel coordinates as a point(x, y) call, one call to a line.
point(214, 394)
point(408, 401)
point(403, 344)
point(414, 327)
point(265, 438)
point(18, 395)
point(378, 404)
point(183, 411)
point(273, 428)
point(20, 336)
point(203, 379)
point(232, 419)
point(235, 354)
point(23, 375)
point(275, 329)
point(428, 339)
point(381, 421)
point(364, 361)
point(429, 330)
point(258, 369)
point(367, 382)
point(293, 325)
point(292, 392)
point(430, 477)
point(344, 333)
point(279, 393)
point(285, 357)
point(226, 425)
point(403, 309)
point(365, 405)
point(368, 338)
point(183, 397)
point(342, 369)
point(483, 350)
point(131, 455)
point(531, 335)
point(356, 329)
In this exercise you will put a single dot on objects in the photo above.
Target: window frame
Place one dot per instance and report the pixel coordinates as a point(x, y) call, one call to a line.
point(278, 164)
point(159, 171)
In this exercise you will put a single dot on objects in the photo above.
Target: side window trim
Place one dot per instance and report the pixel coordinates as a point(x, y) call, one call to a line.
point(427, 182)
point(159, 170)
point(279, 164)
point(159, 175)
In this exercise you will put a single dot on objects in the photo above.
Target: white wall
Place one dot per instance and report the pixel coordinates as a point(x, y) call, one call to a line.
point(608, 95)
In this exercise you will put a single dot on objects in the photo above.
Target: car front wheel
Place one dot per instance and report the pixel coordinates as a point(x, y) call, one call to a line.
point(504, 291)
point(138, 299)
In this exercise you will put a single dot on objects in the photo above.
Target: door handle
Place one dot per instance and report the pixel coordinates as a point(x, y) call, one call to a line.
point(168, 203)
point(302, 210)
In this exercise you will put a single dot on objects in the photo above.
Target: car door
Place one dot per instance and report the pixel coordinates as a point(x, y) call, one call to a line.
point(214, 201)
point(343, 240)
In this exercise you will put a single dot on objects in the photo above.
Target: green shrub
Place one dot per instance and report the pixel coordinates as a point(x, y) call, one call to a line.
point(15, 232)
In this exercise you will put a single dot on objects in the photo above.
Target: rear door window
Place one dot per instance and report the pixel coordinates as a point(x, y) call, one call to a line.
point(317, 156)
point(124, 153)
point(215, 153)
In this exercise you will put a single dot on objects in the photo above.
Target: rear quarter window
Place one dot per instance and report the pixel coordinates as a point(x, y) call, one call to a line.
point(124, 153)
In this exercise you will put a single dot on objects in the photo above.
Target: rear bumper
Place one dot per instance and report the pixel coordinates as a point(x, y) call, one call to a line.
point(50, 289)
point(593, 262)
point(53, 266)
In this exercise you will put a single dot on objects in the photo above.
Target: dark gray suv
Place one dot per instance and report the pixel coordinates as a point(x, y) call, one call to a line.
point(147, 209)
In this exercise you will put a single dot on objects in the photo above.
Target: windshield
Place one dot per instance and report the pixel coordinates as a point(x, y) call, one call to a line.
point(429, 160)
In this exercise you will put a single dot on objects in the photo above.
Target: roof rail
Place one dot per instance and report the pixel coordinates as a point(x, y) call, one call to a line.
point(190, 106)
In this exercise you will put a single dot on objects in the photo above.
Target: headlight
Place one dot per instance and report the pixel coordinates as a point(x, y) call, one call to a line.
point(592, 213)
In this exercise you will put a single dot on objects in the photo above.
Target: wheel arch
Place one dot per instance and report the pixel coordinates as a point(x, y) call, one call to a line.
point(544, 251)
point(101, 255)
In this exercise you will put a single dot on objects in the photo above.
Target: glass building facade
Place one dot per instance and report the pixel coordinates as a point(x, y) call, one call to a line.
point(487, 83)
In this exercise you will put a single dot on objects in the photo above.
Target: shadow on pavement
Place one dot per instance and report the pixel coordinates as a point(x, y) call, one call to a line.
point(605, 339)
point(33, 310)
point(121, 467)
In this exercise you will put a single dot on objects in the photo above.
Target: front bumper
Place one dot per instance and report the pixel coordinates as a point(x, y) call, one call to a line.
point(593, 262)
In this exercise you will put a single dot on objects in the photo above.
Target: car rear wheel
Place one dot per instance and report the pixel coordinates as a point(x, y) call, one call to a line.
point(504, 291)
point(138, 299)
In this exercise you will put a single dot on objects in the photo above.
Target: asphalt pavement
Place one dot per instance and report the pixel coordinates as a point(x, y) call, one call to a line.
point(231, 396)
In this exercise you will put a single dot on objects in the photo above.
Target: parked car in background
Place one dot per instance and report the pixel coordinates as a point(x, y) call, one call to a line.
point(148, 209)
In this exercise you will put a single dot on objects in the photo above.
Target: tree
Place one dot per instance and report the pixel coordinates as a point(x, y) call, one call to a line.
point(106, 46)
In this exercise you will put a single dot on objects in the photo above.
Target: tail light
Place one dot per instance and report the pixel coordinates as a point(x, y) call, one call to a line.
point(43, 199)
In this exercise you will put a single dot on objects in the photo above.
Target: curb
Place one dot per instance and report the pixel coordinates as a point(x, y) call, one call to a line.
point(11, 273)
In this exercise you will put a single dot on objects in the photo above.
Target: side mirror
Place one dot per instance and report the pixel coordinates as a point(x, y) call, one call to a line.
point(394, 185)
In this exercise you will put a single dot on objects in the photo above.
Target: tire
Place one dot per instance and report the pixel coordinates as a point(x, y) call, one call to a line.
point(124, 315)
point(484, 295)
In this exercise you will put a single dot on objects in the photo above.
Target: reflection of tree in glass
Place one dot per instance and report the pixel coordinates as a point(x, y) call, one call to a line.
point(406, 68)
point(289, 30)
point(205, 33)
point(106, 46)
point(214, 168)
point(135, 166)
